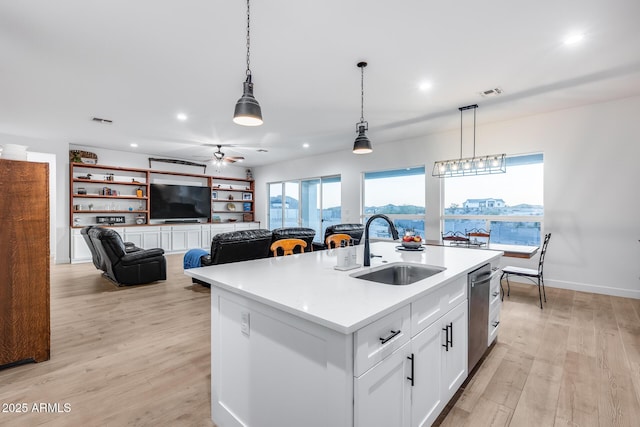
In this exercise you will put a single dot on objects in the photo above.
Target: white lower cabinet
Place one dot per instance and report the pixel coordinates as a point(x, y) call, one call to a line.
point(411, 386)
point(185, 238)
point(427, 376)
point(454, 360)
point(382, 395)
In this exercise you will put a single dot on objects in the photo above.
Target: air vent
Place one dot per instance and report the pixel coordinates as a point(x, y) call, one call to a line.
point(491, 92)
point(99, 120)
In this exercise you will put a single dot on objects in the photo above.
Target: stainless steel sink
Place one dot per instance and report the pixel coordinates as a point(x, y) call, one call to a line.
point(399, 273)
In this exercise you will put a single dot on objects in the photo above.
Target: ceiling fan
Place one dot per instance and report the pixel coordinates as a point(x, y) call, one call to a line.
point(218, 156)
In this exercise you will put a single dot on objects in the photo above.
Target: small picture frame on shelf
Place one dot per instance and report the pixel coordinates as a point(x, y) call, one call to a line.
point(214, 195)
point(246, 196)
point(216, 218)
point(246, 207)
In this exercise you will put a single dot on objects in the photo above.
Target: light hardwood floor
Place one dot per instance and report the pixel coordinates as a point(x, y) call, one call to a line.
point(139, 356)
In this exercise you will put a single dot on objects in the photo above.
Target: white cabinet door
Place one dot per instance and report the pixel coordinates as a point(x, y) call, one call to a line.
point(454, 354)
point(80, 252)
point(151, 239)
point(133, 236)
point(205, 237)
point(427, 373)
point(383, 393)
point(165, 238)
point(185, 238)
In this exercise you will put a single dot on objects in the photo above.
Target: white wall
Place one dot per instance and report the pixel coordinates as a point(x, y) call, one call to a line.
point(592, 171)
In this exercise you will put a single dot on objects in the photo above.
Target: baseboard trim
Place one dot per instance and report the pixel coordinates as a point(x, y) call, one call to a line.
point(584, 287)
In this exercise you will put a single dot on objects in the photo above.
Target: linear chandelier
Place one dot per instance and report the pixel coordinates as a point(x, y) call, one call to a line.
point(476, 165)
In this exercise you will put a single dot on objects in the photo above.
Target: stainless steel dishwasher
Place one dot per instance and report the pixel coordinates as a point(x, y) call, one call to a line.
point(479, 282)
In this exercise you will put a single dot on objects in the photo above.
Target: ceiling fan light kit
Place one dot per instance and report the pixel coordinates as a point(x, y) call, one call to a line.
point(248, 111)
point(362, 144)
point(470, 166)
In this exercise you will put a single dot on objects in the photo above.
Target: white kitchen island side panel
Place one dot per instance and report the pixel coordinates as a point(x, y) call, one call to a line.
point(270, 368)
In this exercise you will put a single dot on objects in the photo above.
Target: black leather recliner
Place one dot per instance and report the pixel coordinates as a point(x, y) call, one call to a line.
point(302, 233)
point(97, 259)
point(353, 230)
point(126, 268)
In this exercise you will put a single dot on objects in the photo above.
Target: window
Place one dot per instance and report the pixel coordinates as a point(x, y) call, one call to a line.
point(509, 204)
point(313, 203)
point(399, 194)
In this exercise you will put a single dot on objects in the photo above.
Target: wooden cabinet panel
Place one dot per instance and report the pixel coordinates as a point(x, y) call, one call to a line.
point(24, 271)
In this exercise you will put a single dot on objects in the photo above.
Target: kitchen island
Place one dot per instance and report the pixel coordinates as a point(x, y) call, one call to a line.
point(296, 342)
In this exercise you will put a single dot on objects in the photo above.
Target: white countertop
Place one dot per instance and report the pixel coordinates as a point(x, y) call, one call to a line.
point(307, 285)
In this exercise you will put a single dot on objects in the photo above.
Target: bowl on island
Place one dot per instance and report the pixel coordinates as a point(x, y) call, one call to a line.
point(411, 245)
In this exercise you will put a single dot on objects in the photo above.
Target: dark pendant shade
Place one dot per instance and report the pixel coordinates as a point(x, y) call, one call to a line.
point(247, 112)
point(362, 145)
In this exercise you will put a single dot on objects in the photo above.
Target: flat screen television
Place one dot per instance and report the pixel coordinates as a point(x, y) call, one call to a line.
point(179, 202)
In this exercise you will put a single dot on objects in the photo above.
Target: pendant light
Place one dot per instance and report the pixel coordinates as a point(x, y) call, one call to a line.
point(248, 112)
point(481, 165)
point(362, 145)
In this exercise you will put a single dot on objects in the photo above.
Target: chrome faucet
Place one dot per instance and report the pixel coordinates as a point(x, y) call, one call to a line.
point(394, 233)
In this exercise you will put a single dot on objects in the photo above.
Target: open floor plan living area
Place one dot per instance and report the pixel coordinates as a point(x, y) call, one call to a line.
point(345, 214)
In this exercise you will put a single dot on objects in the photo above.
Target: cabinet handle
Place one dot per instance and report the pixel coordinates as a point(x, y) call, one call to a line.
point(446, 340)
point(412, 376)
point(450, 334)
point(496, 323)
point(391, 336)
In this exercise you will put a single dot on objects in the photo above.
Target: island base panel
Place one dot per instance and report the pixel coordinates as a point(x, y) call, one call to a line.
point(271, 368)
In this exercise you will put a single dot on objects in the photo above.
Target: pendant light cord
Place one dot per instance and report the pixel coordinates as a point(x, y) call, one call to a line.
point(362, 94)
point(248, 40)
point(474, 132)
point(460, 133)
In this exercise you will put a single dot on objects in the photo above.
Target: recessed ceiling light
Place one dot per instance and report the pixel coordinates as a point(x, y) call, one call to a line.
point(305, 145)
point(181, 116)
point(573, 38)
point(133, 144)
point(425, 86)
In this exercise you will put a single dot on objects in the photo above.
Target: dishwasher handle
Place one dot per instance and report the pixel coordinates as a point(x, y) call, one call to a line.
point(486, 279)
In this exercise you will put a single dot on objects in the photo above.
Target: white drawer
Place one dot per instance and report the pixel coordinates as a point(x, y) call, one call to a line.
point(494, 299)
point(431, 307)
point(455, 293)
point(379, 339)
point(494, 324)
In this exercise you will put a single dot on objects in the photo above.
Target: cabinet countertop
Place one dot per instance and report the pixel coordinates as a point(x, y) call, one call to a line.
point(308, 286)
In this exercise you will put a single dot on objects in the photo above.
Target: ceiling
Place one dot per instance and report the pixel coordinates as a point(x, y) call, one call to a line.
point(140, 63)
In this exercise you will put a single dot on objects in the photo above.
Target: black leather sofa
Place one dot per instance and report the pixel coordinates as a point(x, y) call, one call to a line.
point(353, 230)
point(235, 246)
point(134, 267)
point(302, 233)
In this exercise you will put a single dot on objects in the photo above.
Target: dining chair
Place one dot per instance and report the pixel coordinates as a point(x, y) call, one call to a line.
point(334, 240)
point(287, 246)
point(529, 273)
point(478, 233)
point(455, 238)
